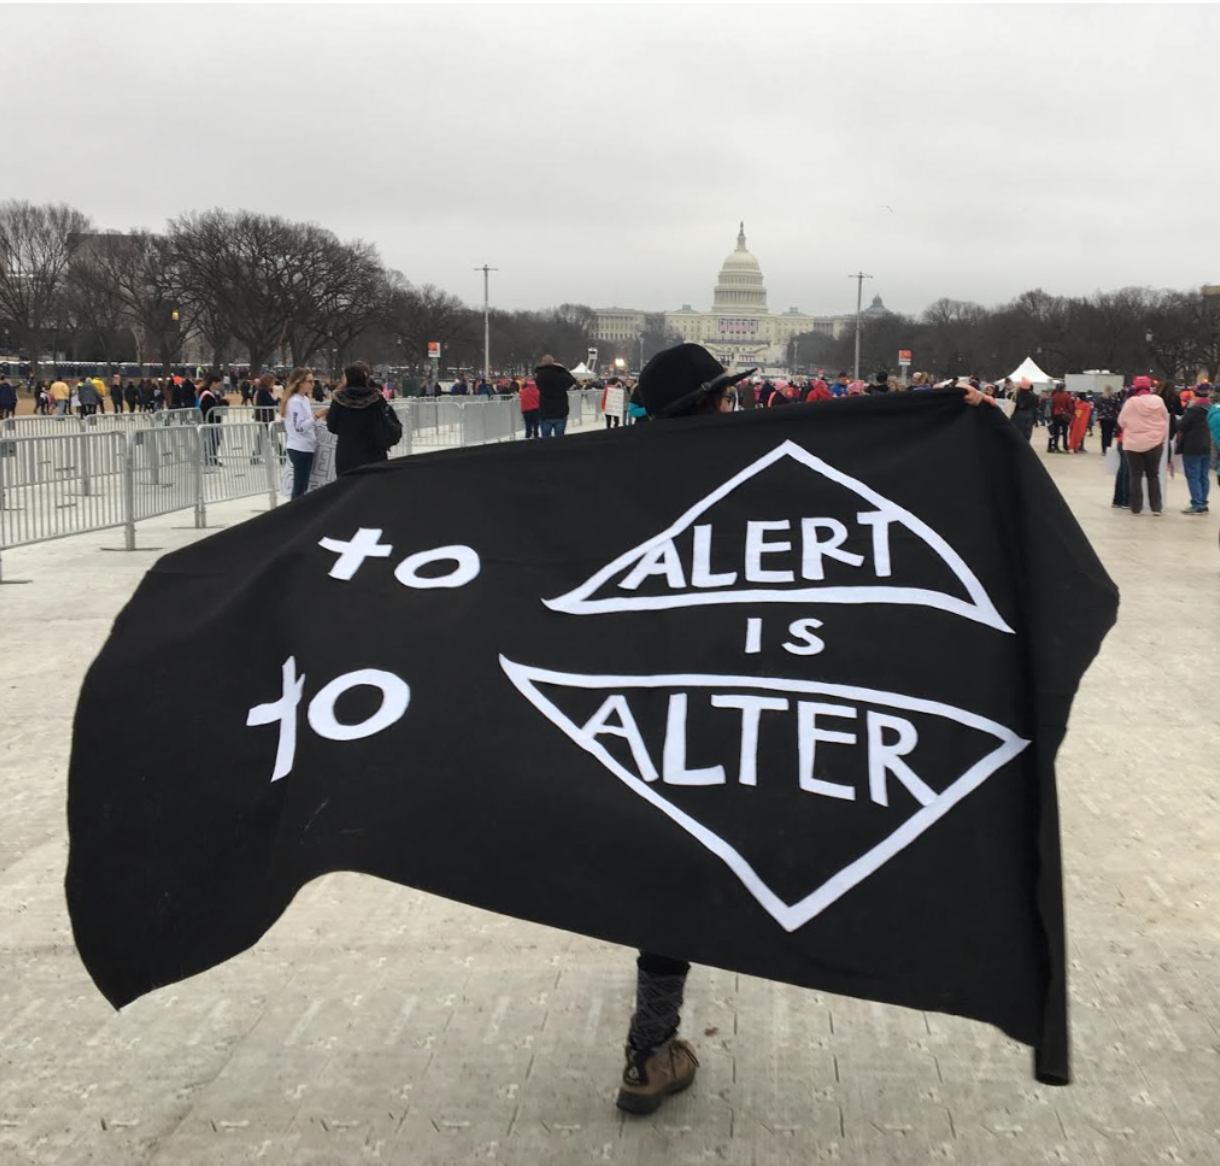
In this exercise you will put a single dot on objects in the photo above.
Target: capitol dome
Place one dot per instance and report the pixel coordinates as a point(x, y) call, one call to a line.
point(740, 290)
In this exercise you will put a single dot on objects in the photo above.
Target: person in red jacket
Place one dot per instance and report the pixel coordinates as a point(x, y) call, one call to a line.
point(1063, 409)
point(529, 407)
point(819, 391)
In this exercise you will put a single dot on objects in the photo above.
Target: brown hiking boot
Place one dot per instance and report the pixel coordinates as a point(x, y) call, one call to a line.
point(649, 1078)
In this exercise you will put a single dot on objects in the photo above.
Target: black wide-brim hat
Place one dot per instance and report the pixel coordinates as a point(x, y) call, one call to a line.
point(676, 382)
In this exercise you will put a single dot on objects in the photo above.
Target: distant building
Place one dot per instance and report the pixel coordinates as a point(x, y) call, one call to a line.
point(619, 325)
point(739, 330)
point(875, 309)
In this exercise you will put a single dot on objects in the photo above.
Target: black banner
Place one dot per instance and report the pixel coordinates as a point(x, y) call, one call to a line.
point(778, 692)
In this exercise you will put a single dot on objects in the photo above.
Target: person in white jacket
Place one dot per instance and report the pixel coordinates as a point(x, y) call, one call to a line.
point(299, 426)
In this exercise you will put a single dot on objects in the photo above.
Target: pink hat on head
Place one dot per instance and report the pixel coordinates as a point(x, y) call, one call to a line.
point(1141, 383)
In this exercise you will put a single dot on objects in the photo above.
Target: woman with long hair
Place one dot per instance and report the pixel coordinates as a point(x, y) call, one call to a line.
point(299, 425)
point(362, 421)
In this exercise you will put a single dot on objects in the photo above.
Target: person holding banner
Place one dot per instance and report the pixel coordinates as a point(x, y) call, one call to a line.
point(685, 381)
point(613, 395)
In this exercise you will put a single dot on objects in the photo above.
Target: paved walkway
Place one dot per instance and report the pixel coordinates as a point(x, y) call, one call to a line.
point(378, 1025)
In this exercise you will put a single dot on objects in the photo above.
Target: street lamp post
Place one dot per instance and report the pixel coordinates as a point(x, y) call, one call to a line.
point(486, 319)
point(859, 277)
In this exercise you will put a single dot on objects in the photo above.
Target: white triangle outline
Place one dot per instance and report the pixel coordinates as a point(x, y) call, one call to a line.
point(790, 916)
point(978, 608)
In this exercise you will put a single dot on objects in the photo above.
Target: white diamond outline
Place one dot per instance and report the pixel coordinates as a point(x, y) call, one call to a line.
point(790, 916)
point(980, 608)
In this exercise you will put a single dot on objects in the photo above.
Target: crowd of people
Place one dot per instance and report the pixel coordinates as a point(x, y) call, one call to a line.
point(86, 396)
point(1147, 428)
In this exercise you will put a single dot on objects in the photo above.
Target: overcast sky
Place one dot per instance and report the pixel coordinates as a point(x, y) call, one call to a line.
point(605, 154)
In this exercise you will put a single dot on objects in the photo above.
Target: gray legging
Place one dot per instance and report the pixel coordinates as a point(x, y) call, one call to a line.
point(1145, 463)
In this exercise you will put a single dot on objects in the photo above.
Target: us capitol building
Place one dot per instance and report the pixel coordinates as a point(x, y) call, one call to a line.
point(739, 330)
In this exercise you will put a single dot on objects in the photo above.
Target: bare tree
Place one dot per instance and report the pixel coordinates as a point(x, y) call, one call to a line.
point(36, 247)
point(417, 315)
point(140, 271)
point(340, 297)
point(239, 268)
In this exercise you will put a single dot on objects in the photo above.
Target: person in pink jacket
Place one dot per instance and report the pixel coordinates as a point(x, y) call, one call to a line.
point(1144, 421)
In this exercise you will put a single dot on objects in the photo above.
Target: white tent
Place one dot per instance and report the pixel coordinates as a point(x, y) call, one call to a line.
point(1027, 369)
point(581, 370)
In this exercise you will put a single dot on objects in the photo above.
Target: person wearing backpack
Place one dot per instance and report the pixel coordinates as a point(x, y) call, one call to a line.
point(364, 425)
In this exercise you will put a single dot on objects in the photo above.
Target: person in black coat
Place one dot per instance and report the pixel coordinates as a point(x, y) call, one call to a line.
point(264, 399)
point(363, 423)
point(1025, 409)
point(553, 381)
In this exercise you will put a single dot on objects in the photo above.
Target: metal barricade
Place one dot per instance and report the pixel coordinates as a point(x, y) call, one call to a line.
point(403, 410)
point(37, 507)
point(591, 406)
point(485, 424)
point(43, 426)
point(165, 474)
point(184, 416)
point(69, 475)
point(119, 422)
point(239, 460)
point(43, 459)
point(245, 414)
point(436, 424)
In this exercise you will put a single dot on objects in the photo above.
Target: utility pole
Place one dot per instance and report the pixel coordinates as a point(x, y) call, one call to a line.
point(859, 277)
point(486, 319)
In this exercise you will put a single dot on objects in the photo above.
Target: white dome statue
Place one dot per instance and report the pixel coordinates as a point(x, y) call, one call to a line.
point(740, 290)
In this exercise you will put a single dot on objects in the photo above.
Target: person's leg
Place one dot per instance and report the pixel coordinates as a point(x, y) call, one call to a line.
point(302, 463)
point(1121, 480)
point(1152, 471)
point(1135, 472)
point(1195, 467)
point(561, 423)
point(658, 1064)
